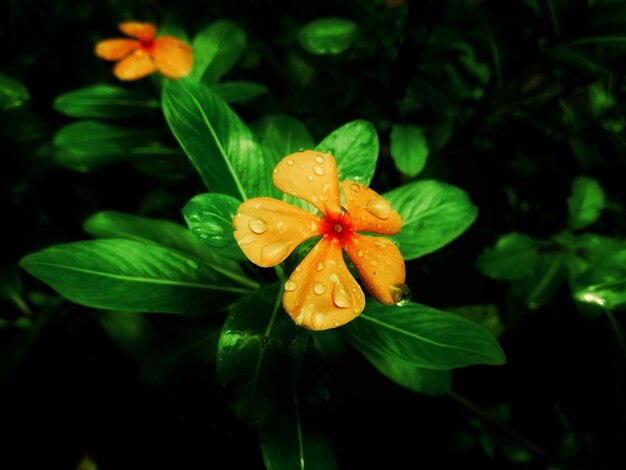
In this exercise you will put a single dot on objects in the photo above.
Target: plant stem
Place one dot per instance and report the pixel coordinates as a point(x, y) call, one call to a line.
point(617, 329)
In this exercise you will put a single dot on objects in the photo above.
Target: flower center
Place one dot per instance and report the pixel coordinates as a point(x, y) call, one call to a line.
point(339, 228)
point(147, 44)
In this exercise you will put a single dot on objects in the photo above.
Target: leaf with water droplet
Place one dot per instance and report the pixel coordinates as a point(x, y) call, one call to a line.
point(210, 216)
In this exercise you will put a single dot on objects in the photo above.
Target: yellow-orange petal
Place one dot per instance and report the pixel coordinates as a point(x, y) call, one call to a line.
point(173, 57)
point(137, 65)
point(380, 266)
point(311, 176)
point(370, 212)
point(138, 29)
point(116, 49)
point(321, 293)
point(268, 230)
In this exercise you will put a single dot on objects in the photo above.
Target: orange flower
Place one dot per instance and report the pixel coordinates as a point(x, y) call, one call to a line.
point(142, 56)
point(321, 293)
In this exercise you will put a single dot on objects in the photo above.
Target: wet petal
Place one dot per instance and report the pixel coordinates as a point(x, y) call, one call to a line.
point(370, 212)
point(173, 57)
point(135, 66)
point(138, 30)
point(380, 266)
point(321, 293)
point(311, 176)
point(268, 230)
point(116, 49)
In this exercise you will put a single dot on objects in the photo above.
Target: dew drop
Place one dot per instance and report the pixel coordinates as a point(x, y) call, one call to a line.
point(373, 263)
point(336, 323)
point(300, 318)
point(258, 206)
point(356, 310)
point(274, 253)
point(310, 177)
point(313, 227)
point(318, 170)
point(290, 286)
point(281, 227)
point(400, 294)
point(359, 253)
point(275, 171)
point(317, 320)
point(341, 297)
point(291, 162)
point(355, 187)
point(320, 266)
point(299, 269)
point(319, 159)
point(258, 226)
point(379, 208)
point(319, 288)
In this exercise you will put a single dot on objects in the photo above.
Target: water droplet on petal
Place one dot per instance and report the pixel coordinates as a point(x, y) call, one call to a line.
point(300, 318)
point(291, 162)
point(310, 177)
point(275, 170)
point(400, 294)
point(317, 320)
point(274, 253)
point(299, 269)
point(318, 170)
point(257, 225)
point(320, 266)
point(373, 263)
point(341, 297)
point(319, 159)
point(281, 227)
point(355, 187)
point(319, 288)
point(290, 286)
point(336, 323)
point(258, 206)
point(359, 253)
point(379, 208)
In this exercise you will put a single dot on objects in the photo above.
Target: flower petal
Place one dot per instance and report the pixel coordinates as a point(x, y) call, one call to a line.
point(173, 57)
point(370, 212)
point(268, 230)
point(311, 176)
point(138, 30)
point(321, 293)
point(135, 66)
point(380, 266)
point(116, 49)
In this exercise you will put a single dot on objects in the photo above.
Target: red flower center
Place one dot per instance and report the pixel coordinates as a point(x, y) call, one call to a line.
point(339, 228)
point(147, 44)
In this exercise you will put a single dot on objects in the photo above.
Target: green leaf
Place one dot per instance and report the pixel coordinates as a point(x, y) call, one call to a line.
point(485, 315)
point(86, 145)
point(130, 276)
point(210, 218)
point(111, 224)
point(422, 336)
point(433, 214)
point(218, 143)
point(539, 287)
point(328, 36)
point(409, 148)
point(426, 381)
point(599, 99)
point(13, 94)
point(259, 353)
point(129, 331)
point(12, 288)
point(585, 203)
point(355, 147)
point(238, 92)
point(512, 257)
point(104, 101)
point(604, 283)
point(216, 49)
point(288, 441)
point(281, 135)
